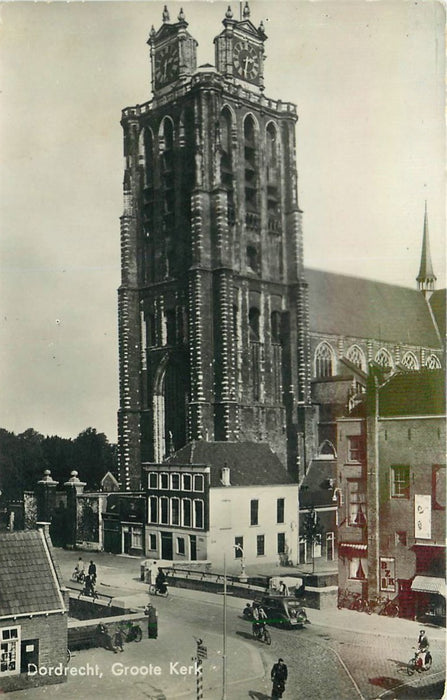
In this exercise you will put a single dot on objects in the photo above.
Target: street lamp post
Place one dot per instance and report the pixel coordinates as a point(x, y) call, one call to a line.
point(243, 576)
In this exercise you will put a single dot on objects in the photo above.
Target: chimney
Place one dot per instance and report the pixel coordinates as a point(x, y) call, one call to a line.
point(225, 475)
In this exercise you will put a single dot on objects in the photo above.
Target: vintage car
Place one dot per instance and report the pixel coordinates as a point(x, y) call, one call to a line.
point(283, 611)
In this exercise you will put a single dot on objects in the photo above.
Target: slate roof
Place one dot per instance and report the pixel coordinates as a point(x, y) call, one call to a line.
point(314, 488)
point(413, 394)
point(250, 463)
point(27, 580)
point(438, 306)
point(361, 308)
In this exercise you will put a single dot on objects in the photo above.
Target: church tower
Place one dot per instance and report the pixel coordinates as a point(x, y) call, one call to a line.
point(213, 320)
point(426, 278)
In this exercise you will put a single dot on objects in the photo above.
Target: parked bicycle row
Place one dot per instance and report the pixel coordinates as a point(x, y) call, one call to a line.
point(380, 605)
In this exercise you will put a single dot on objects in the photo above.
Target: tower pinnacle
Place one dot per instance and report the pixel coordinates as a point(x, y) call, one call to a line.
point(426, 278)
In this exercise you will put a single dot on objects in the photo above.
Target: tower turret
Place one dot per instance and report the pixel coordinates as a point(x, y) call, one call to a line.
point(426, 278)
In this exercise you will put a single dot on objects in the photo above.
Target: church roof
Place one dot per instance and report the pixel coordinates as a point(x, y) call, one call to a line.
point(426, 268)
point(29, 580)
point(250, 463)
point(361, 308)
point(438, 306)
point(317, 486)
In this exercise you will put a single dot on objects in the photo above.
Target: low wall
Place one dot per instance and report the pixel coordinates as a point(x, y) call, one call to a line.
point(83, 634)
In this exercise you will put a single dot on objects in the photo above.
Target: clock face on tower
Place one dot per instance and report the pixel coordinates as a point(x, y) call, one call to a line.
point(246, 61)
point(166, 65)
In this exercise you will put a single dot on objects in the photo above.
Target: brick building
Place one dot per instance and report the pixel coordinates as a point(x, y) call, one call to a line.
point(391, 493)
point(33, 610)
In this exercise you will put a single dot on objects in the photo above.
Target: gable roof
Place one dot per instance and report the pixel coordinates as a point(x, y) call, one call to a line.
point(250, 463)
point(361, 308)
point(419, 393)
point(29, 580)
point(438, 306)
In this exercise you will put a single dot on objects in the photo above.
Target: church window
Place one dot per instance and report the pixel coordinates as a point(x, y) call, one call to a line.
point(252, 258)
point(324, 359)
point(226, 164)
point(433, 362)
point(272, 179)
point(251, 203)
point(409, 361)
point(167, 167)
point(253, 322)
point(275, 322)
point(356, 356)
point(383, 358)
point(170, 327)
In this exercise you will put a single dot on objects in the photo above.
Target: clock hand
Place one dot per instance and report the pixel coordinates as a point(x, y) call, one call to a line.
point(245, 65)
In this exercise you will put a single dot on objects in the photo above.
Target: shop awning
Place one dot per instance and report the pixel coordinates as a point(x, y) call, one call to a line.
point(353, 548)
point(428, 584)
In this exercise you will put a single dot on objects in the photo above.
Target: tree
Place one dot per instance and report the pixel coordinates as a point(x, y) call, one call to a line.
point(94, 456)
point(311, 530)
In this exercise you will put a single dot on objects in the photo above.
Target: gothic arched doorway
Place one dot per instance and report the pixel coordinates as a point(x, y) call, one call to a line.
point(170, 397)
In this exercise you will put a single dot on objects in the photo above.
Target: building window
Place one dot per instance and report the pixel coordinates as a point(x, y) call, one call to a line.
point(355, 448)
point(383, 358)
point(152, 541)
point(253, 322)
point(164, 480)
point(170, 327)
point(164, 510)
point(260, 545)
point(198, 482)
point(356, 356)
point(153, 480)
point(198, 513)
point(252, 258)
point(254, 514)
point(175, 482)
point(187, 482)
point(10, 651)
point(186, 503)
point(238, 547)
point(357, 503)
point(358, 568)
point(323, 360)
point(400, 537)
point(433, 362)
point(181, 549)
point(400, 482)
point(280, 510)
point(387, 574)
point(438, 487)
point(409, 361)
point(281, 542)
point(137, 538)
point(275, 325)
point(175, 511)
point(153, 509)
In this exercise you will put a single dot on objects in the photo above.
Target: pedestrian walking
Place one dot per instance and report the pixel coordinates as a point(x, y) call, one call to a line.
point(278, 676)
point(152, 621)
point(119, 640)
point(92, 571)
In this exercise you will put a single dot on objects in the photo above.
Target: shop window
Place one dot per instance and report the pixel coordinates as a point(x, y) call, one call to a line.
point(254, 512)
point(358, 568)
point(400, 482)
point(260, 545)
point(9, 651)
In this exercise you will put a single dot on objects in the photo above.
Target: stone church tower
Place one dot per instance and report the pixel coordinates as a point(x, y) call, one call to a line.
point(213, 320)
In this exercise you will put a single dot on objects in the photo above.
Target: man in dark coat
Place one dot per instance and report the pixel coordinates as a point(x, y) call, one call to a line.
point(278, 676)
point(152, 621)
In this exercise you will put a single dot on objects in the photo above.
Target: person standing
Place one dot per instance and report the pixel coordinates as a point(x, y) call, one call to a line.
point(152, 621)
point(278, 676)
point(92, 571)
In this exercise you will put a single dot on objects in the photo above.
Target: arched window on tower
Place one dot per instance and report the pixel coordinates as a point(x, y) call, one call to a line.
point(168, 171)
point(148, 164)
point(252, 259)
point(383, 358)
point(255, 351)
point(409, 361)
point(251, 175)
point(275, 329)
point(272, 179)
point(226, 162)
point(253, 322)
point(324, 360)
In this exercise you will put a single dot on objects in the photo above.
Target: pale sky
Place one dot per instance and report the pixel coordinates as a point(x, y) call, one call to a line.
point(368, 80)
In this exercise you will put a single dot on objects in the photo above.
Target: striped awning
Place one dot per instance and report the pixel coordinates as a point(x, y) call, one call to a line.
point(428, 584)
point(353, 547)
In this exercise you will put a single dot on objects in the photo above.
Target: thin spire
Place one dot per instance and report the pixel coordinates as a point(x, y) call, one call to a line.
point(426, 278)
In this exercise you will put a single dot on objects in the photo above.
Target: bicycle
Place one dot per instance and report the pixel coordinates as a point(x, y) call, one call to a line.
point(131, 632)
point(390, 608)
point(416, 663)
point(89, 591)
point(261, 632)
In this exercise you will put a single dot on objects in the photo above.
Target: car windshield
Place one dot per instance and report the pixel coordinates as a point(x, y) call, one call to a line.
point(293, 605)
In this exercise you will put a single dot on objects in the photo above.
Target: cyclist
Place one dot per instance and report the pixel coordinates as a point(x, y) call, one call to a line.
point(423, 645)
point(160, 581)
point(259, 620)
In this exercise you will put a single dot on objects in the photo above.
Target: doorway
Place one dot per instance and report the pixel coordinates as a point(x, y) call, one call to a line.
point(166, 545)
